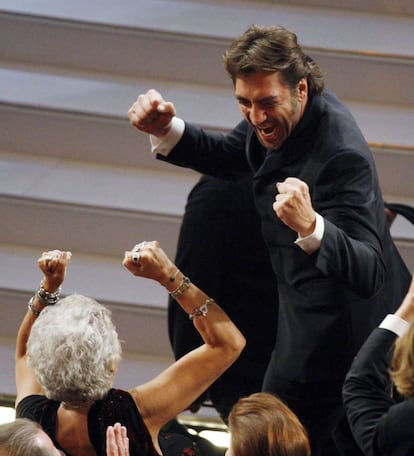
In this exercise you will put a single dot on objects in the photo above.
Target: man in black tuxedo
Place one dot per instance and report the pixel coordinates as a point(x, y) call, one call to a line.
point(316, 189)
point(382, 425)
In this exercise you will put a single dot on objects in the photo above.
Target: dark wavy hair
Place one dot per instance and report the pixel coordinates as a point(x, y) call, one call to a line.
point(273, 49)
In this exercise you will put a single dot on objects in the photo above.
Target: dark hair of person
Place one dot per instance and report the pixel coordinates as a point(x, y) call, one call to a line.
point(273, 49)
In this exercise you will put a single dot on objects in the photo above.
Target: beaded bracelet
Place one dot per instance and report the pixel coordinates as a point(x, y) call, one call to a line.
point(31, 306)
point(46, 298)
point(202, 310)
point(184, 286)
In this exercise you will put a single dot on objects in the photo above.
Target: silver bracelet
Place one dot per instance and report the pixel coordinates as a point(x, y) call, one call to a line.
point(31, 306)
point(201, 311)
point(184, 286)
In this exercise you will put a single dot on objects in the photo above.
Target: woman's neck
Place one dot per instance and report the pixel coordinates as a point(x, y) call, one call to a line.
point(76, 405)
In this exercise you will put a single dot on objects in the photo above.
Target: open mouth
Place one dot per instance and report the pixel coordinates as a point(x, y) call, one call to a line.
point(267, 132)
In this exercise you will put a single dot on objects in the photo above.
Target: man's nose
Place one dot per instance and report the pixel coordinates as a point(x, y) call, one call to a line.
point(257, 115)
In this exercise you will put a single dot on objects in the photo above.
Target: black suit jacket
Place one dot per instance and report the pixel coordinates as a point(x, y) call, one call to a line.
point(381, 425)
point(329, 301)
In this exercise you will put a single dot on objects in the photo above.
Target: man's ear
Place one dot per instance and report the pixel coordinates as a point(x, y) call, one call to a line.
point(302, 89)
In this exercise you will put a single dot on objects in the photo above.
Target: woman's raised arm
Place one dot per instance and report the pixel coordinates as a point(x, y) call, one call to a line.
point(172, 391)
point(53, 264)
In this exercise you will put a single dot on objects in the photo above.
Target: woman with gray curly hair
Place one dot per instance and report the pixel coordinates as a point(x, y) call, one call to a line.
point(68, 352)
point(84, 365)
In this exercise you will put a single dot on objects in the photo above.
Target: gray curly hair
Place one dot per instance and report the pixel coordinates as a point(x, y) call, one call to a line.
point(74, 349)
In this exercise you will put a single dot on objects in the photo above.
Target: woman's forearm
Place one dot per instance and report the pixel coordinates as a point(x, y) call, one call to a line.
point(53, 265)
point(210, 320)
point(35, 306)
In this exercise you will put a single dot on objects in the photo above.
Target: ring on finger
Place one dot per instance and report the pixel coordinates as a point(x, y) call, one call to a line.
point(140, 246)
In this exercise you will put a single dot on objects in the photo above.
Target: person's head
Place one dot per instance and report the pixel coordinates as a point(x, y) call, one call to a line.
point(262, 425)
point(402, 363)
point(24, 437)
point(273, 80)
point(74, 350)
point(272, 50)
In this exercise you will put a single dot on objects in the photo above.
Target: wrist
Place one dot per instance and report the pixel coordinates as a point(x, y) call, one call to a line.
point(43, 298)
point(163, 132)
point(47, 298)
point(35, 306)
point(179, 286)
point(49, 286)
point(172, 278)
point(309, 230)
point(406, 309)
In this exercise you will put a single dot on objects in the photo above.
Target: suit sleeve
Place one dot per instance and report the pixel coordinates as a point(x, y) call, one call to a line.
point(210, 153)
point(367, 391)
point(350, 201)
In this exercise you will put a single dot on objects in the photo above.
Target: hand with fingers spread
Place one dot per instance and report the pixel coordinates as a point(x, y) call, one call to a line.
point(293, 206)
point(117, 442)
point(151, 114)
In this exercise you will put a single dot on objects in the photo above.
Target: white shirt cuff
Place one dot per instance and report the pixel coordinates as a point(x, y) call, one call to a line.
point(164, 145)
point(395, 324)
point(312, 243)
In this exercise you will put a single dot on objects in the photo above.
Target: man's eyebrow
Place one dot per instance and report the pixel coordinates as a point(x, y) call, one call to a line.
point(270, 98)
point(260, 100)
